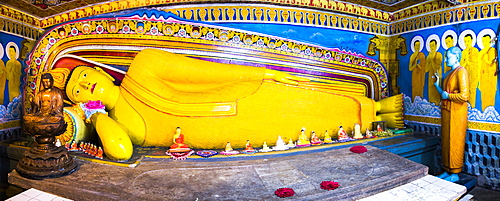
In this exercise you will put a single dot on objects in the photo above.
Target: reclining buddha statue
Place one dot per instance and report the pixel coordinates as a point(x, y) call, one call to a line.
point(214, 103)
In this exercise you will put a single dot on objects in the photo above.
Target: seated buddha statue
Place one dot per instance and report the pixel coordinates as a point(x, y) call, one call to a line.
point(303, 139)
point(265, 148)
point(327, 139)
point(48, 102)
point(226, 102)
point(280, 144)
point(357, 132)
point(228, 150)
point(342, 134)
point(179, 145)
point(248, 148)
point(315, 139)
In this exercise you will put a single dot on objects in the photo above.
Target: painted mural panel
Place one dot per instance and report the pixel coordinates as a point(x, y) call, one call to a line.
point(476, 40)
point(12, 77)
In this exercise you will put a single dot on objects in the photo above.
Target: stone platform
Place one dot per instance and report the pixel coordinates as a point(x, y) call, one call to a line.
point(253, 178)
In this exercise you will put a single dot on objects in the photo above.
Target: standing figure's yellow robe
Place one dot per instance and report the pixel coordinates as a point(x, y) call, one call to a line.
point(488, 83)
point(417, 66)
point(434, 60)
point(454, 119)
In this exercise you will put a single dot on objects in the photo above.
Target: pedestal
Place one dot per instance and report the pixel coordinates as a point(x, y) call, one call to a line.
point(237, 178)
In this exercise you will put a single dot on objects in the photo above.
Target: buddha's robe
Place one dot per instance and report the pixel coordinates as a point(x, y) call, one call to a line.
point(3, 79)
point(417, 66)
point(434, 60)
point(488, 83)
point(470, 58)
point(454, 119)
point(217, 103)
point(14, 76)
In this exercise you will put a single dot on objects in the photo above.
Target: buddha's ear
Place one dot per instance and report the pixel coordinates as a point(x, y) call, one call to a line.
point(104, 72)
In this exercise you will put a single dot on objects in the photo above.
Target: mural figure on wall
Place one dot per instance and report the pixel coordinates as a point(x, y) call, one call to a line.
point(449, 38)
point(417, 67)
point(488, 66)
point(454, 94)
point(434, 60)
point(3, 75)
point(13, 70)
point(470, 62)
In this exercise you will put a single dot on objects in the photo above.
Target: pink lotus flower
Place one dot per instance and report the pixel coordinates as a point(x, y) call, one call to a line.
point(94, 105)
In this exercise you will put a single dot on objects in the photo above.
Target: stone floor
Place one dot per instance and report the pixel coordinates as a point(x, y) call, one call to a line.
point(254, 178)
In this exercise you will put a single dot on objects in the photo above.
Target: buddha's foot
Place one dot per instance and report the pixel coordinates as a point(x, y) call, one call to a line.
point(390, 104)
point(394, 120)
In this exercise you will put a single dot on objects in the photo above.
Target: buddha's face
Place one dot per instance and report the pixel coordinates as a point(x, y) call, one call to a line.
point(449, 42)
point(432, 46)
point(486, 41)
point(47, 83)
point(468, 41)
point(416, 46)
point(12, 53)
point(87, 84)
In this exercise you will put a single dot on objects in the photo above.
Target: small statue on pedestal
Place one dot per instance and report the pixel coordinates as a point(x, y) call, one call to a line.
point(45, 121)
point(229, 150)
point(342, 135)
point(179, 150)
point(303, 139)
point(327, 139)
point(357, 132)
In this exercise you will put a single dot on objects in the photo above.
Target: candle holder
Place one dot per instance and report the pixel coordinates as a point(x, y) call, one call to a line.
point(45, 160)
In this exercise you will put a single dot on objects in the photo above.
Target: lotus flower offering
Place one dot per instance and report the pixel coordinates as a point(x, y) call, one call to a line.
point(91, 108)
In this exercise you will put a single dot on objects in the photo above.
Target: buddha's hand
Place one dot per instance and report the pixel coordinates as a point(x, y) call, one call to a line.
point(436, 76)
point(283, 77)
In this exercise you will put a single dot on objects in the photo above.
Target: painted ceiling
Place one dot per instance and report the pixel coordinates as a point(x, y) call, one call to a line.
point(47, 8)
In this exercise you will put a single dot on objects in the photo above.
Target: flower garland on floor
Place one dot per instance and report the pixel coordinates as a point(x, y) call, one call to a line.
point(284, 192)
point(358, 149)
point(329, 185)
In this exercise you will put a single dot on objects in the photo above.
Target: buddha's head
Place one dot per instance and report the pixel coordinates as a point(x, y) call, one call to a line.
point(453, 56)
point(12, 52)
point(486, 41)
point(433, 45)
point(47, 81)
point(449, 41)
point(416, 46)
point(86, 83)
point(468, 40)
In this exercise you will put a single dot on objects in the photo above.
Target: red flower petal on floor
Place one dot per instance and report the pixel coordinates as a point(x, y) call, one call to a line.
point(284, 192)
point(358, 149)
point(329, 185)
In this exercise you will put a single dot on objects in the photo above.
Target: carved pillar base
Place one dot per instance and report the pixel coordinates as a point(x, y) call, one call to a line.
point(46, 163)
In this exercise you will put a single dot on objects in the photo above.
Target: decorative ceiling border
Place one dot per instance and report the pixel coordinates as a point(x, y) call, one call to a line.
point(330, 6)
point(20, 29)
point(277, 14)
point(458, 14)
point(119, 5)
point(427, 7)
